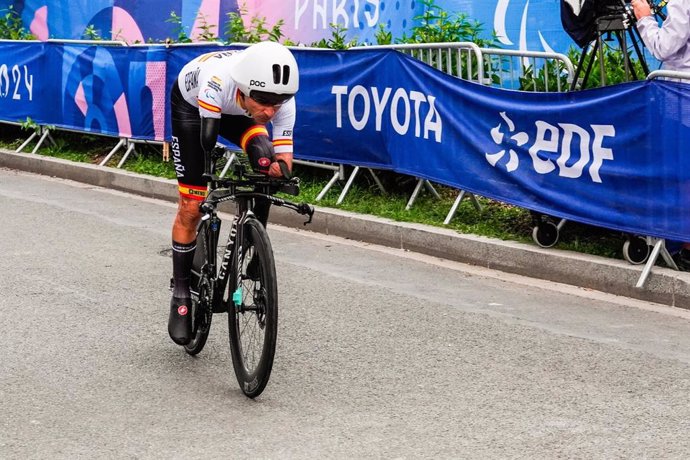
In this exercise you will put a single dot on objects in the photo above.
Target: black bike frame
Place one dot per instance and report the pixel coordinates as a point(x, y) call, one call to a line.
point(219, 275)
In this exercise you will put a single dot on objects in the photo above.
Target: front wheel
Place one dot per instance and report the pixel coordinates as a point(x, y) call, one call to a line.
point(253, 311)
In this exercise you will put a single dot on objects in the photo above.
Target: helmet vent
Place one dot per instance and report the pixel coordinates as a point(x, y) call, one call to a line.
point(276, 74)
point(286, 74)
point(279, 75)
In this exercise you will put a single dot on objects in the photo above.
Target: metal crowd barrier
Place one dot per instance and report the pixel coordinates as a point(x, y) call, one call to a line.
point(535, 71)
point(43, 131)
point(460, 59)
point(658, 245)
point(488, 66)
point(129, 144)
point(514, 69)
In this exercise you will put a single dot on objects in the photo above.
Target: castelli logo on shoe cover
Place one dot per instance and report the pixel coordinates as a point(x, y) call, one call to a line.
point(264, 162)
point(182, 310)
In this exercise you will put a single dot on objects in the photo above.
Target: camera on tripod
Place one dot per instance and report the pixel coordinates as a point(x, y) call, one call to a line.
point(580, 17)
point(594, 22)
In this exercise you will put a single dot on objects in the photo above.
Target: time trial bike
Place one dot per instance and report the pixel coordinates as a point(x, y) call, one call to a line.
point(240, 279)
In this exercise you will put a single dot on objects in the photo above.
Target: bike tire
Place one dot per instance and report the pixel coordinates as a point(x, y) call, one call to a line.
point(256, 316)
point(201, 317)
point(201, 327)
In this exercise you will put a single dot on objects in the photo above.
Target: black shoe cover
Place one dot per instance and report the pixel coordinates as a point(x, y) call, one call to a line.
point(180, 320)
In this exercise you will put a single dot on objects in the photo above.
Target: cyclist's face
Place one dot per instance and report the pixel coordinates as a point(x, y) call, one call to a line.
point(260, 112)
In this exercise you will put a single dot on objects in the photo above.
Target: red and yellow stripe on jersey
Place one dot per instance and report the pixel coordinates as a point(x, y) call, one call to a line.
point(193, 192)
point(282, 145)
point(256, 130)
point(209, 107)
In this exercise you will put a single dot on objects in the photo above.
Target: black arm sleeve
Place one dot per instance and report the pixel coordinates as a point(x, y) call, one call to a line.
point(209, 136)
point(209, 133)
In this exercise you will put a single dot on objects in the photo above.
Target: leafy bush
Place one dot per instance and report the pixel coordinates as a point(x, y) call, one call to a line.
point(207, 34)
point(337, 40)
point(614, 71)
point(614, 66)
point(12, 26)
point(438, 26)
point(237, 31)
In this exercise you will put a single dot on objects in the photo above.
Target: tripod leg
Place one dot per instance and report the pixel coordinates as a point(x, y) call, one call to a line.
point(622, 42)
point(602, 72)
point(590, 64)
point(636, 38)
point(580, 64)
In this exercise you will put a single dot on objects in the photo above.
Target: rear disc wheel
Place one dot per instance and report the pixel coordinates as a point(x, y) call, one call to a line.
point(201, 319)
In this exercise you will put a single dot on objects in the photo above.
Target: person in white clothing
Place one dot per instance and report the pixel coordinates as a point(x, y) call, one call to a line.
point(234, 94)
point(670, 42)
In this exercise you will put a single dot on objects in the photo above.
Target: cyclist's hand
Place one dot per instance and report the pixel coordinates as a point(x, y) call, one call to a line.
point(274, 169)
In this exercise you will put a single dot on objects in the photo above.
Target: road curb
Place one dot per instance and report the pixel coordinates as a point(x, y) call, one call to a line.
point(664, 286)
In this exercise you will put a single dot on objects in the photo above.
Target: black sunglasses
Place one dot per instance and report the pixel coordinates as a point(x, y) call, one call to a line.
point(265, 98)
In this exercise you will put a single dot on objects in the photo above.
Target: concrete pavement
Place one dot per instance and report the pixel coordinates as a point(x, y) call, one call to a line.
point(663, 286)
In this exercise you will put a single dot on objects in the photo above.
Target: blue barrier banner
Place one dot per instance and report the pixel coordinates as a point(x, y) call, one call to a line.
point(23, 82)
point(610, 157)
point(110, 90)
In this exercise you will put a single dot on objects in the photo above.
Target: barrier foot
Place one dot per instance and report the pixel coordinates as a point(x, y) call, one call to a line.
point(26, 142)
point(112, 152)
point(454, 209)
point(561, 223)
point(378, 181)
point(51, 140)
point(46, 133)
point(130, 149)
point(346, 189)
point(334, 179)
point(415, 193)
point(475, 202)
point(430, 187)
point(418, 189)
point(658, 249)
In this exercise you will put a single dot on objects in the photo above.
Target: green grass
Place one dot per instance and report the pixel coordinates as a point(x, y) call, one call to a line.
point(495, 219)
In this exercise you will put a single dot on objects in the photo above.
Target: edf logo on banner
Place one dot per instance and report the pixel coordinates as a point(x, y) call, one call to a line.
point(406, 111)
point(574, 148)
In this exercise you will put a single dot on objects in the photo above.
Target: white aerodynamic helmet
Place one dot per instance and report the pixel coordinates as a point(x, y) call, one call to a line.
point(267, 72)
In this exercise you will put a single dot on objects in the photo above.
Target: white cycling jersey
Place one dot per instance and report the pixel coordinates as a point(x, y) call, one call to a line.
point(205, 83)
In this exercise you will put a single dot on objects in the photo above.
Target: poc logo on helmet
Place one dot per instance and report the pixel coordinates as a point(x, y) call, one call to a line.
point(260, 84)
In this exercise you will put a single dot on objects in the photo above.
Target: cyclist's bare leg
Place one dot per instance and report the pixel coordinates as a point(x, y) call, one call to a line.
point(186, 220)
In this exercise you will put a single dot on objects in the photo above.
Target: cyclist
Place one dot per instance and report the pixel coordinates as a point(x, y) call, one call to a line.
point(234, 94)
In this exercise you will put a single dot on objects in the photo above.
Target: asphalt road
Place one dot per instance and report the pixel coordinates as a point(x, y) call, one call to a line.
point(381, 353)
